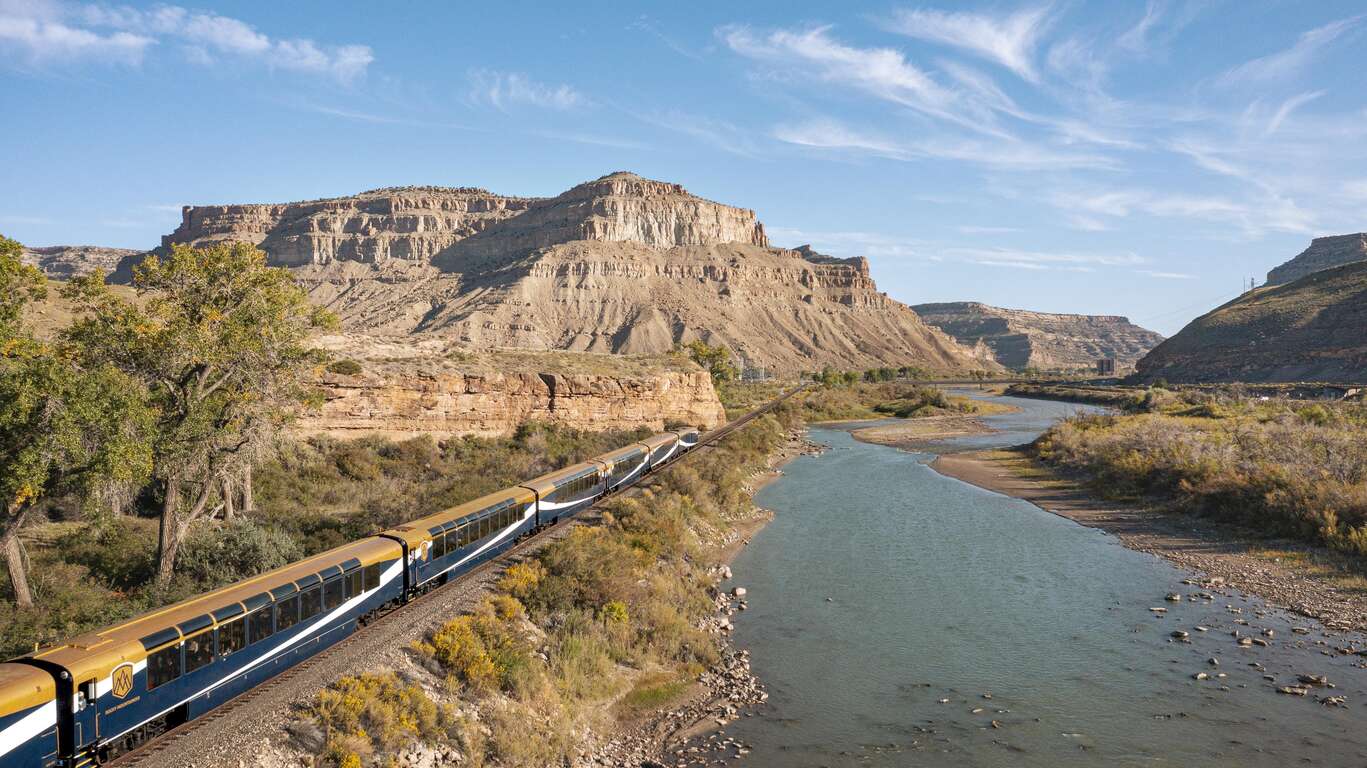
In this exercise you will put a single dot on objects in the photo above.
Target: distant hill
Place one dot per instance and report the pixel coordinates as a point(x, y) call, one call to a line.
point(1020, 339)
point(63, 262)
point(1323, 253)
point(1311, 329)
point(621, 264)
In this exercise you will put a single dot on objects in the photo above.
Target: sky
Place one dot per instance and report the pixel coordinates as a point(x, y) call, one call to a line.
point(1133, 158)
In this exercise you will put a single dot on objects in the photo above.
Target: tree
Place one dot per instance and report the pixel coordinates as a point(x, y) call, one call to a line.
point(220, 340)
point(717, 360)
point(64, 428)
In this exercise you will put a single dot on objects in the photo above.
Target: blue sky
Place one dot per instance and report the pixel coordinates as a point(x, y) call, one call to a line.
point(1127, 158)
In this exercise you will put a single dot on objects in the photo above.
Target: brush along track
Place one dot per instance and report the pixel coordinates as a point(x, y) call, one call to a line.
point(261, 711)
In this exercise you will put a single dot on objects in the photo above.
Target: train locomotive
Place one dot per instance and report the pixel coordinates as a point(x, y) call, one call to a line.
point(99, 695)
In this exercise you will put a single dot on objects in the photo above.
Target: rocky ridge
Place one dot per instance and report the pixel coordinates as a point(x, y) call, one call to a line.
point(1323, 253)
point(397, 387)
point(63, 262)
point(1311, 329)
point(620, 265)
point(1021, 339)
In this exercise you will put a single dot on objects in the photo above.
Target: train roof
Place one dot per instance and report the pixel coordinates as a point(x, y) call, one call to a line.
point(655, 441)
point(24, 687)
point(418, 530)
point(622, 453)
point(133, 639)
point(552, 480)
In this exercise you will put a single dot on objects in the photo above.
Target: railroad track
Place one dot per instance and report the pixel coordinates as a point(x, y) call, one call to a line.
point(173, 736)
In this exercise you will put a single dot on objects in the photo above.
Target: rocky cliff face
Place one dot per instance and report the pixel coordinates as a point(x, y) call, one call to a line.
point(413, 224)
point(621, 264)
point(1311, 329)
point(1323, 253)
point(404, 389)
point(1021, 339)
point(63, 262)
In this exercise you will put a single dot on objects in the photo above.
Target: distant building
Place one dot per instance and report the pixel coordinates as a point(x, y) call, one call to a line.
point(1105, 366)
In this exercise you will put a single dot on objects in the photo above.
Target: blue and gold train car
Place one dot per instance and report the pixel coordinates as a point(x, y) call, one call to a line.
point(101, 694)
point(120, 686)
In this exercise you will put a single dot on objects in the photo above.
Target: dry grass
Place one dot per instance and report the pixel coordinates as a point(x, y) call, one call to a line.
point(1277, 468)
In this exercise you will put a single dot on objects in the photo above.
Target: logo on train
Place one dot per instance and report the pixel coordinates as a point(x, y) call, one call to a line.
point(123, 680)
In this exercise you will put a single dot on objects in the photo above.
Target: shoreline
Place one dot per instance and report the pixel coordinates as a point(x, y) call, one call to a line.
point(692, 727)
point(1263, 568)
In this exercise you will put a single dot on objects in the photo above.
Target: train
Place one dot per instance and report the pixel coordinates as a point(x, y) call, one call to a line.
point(94, 697)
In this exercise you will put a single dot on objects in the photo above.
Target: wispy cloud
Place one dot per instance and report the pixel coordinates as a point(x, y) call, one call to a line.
point(51, 32)
point(1291, 61)
point(1289, 106)
point(39, 34)
point(1165, 275)
point(829, 134)
point(1253, 217)
point(720, 134)
point(1007, 40)
point(881, 72)
point(1039, 260)
point(504, 90)
point(974, 229)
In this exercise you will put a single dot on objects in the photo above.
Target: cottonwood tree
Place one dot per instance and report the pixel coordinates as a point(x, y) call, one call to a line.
point(64, 428)
point(220, 340)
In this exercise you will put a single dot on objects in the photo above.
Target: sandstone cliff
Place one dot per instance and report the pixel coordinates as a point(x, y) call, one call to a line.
point(403, 389)
point(63, 262)
point(621, 264)
point(1323, 253)
point(1312, 329)
point(1020, 339)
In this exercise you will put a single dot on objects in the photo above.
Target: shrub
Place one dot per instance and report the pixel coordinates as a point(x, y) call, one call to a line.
point(377, 713)
point(345, 367)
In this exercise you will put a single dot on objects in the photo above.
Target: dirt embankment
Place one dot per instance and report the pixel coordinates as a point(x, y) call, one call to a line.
point(1306, 580)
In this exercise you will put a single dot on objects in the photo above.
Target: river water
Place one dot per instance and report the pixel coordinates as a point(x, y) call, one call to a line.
point(882, 589)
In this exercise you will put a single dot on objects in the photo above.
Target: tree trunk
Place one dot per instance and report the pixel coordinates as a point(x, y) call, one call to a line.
point(14, 557)
point(248, 504)
point(175, 525)
point(228, 509)
point(166, 538)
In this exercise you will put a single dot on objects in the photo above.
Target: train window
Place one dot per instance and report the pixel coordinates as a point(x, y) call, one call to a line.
point(163, 667)
point(438, 546)
point(372, 577)
point(199, 651)
point(466, 535)
point(260, 625)
point(232, 636)
point(310, 603)
point(354, 586)
point(287, 613)
point(452, 538)
point(332, 593)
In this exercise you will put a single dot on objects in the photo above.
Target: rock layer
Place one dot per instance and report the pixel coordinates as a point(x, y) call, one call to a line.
point(63, 262)
point(1312, 329)
point(1020, 339)
point(404, 389)
point(1323, 253)
point(621, 264)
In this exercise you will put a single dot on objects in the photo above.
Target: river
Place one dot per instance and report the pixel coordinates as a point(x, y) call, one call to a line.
point(901, 618)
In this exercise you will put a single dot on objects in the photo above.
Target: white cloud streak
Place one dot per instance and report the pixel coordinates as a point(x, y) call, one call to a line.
point(48, 32)
point(506, 90)
point(1008, 40)
point(1291, 61)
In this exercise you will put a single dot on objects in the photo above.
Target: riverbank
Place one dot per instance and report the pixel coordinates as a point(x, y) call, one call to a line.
point(690, 729)
point(1309, 581)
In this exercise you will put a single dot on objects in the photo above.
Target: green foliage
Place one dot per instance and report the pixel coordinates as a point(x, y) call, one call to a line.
point(378, 714)
point(221, 341)
point(716, 360)
point(1270, 467)
point(345, 367)
point(20, 284)
point(217, 555)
